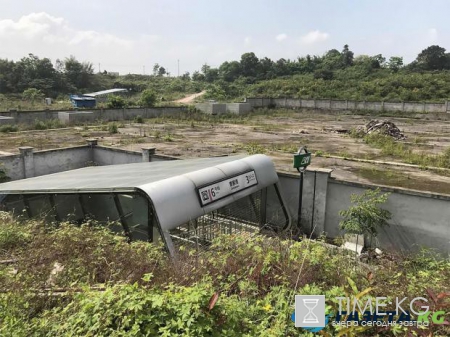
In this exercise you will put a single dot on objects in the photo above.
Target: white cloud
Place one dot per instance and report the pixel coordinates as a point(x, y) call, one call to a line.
point(281, 37)
point(48, 36)
point(433, 34)
point(314, 36)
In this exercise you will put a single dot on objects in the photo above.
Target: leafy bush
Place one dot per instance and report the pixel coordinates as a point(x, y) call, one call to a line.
point(139, 119)
point(148, 98)
point(113, 128)
point(9, 128)
point(116, 102)
point(365, 216)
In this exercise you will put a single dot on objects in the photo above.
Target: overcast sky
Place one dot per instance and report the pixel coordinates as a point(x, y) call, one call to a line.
point(126, 36)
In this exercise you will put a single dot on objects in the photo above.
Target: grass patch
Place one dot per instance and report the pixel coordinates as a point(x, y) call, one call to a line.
point(400, 179)
point(397, 149)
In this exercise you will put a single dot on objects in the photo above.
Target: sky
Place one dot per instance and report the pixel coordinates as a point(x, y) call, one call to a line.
point(131, 36)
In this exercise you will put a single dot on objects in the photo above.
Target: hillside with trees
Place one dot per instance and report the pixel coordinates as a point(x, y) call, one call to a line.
point(336, 74)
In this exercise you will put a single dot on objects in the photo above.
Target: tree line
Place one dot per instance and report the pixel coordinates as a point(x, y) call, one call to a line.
point(34, 77)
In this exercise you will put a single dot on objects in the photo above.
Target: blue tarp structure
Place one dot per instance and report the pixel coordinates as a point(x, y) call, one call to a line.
point(82, 101)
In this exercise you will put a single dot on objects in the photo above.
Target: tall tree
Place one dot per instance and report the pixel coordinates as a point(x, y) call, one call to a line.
point(347, 56)
point(395, 63)
point(249, 64)
point(78, 74)
point(432, 58)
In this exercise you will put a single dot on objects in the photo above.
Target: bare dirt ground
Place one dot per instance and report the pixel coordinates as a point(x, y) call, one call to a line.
point(278, 135)
point(190, 98)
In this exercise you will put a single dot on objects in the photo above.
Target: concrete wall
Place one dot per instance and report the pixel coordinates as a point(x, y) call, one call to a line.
point(91, 115)
point(30, 163)
point(418, 218)
point(53, 161)
point(238, 108)
point(212, 108)
point(6, 120)
point(294, 103)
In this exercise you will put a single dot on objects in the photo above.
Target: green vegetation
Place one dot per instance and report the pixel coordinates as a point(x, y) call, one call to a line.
point(334, 75)
point(397, 149)
point(85, 281)
point(3, 177)
point(113, 128)
point(47, 124)
point(148, 98)
point(116, 102)
point(365, 215)
point(8, 128)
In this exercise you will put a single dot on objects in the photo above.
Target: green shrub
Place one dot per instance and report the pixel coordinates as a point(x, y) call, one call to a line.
point(113, 128)
point(47, 124)
point(8, 128)
point(116, 102)
point(139, 119)
point(148, 98)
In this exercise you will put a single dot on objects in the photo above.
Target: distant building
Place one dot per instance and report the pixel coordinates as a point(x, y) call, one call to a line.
point(102, 96)
point(82, 101)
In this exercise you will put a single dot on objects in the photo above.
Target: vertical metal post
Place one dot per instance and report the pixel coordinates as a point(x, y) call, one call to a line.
point(300, 200)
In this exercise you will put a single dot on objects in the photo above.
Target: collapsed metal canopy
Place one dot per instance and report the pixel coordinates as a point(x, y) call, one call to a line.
point(179, 190)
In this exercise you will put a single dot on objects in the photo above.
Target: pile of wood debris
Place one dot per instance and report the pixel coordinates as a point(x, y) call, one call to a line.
point(384, 127)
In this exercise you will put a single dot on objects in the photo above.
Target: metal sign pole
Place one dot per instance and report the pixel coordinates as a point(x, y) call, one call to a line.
point(301, 160)
point(300, 200)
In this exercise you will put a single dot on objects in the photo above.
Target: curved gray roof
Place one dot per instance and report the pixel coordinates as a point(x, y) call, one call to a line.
point(174, 186)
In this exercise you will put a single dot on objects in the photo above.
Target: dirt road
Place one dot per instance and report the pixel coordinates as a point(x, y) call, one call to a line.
point(190, 98)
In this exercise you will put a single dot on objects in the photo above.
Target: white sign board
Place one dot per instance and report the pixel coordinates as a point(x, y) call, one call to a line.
point(224, 188)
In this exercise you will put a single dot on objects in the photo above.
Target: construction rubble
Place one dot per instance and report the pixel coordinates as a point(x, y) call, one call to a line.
point(383, 127)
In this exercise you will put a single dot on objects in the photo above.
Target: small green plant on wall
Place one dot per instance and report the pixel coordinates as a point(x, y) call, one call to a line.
point(366, 216)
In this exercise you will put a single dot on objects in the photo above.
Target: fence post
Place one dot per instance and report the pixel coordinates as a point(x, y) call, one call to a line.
point(446, 105)
point(403, 106)
point(382, 105)
point(27, 155)
point(315, 104)
point(423, 107)
point(147, 154)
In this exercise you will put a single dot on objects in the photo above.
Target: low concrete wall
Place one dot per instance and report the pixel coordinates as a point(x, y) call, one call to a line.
point(238, 108)
point(418, 218)
point(82, 116)
point(13, 166)
point(6, 120)
point(53, 161)
point(293, 103)
point(212, 108)
point(74, 117)
point(30, 163)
